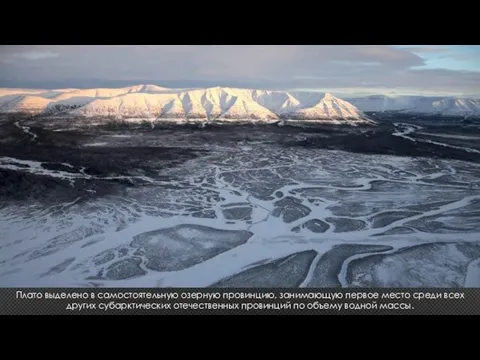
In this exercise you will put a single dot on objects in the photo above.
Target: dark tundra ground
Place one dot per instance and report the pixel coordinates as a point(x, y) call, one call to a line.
point(397, 204)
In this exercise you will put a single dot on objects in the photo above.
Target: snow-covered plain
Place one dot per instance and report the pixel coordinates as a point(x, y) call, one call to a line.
point(290, 217)
point(403, 130)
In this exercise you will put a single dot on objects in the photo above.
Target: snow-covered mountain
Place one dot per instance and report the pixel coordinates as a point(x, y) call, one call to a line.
point(152, 102)
point(451, 106)
point(329, 107)
point(24, 103)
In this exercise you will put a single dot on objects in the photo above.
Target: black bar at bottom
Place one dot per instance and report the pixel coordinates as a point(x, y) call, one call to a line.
point(172, 301)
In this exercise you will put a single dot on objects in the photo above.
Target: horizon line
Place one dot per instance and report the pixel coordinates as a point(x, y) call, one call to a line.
point(356, 92)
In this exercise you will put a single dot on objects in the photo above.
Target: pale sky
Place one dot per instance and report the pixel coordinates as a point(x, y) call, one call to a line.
point(346, 69)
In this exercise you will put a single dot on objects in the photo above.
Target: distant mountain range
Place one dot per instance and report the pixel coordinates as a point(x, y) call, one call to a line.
point(447, 106)
point(151, 102)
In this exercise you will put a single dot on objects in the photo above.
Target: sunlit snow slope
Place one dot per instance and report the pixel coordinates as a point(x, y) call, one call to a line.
point(152, 102)
point(418, 105)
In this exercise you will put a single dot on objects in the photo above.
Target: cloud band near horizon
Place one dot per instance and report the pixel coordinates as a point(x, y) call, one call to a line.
point(362, 69)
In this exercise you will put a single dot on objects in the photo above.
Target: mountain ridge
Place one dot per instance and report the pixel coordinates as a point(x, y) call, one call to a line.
point(421, 105)
point(152, 102)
